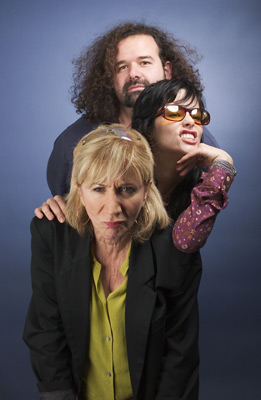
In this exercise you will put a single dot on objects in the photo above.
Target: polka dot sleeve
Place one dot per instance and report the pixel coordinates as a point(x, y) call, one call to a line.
point(194, 225)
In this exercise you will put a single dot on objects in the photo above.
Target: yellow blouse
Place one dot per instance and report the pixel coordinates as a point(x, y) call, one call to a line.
point(107, 370)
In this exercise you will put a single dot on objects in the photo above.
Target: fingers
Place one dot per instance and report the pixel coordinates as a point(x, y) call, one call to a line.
point(202, 156)
point(38, 213)
point(61, 202)
point(51, 208)
point(185, 167)
point(189, 160)
point(192, 158)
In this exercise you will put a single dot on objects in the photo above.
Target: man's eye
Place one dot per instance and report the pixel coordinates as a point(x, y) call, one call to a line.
point(121, 68)
point(145, 63)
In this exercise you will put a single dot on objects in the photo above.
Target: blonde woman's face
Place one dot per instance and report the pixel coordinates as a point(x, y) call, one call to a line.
point(114, 207)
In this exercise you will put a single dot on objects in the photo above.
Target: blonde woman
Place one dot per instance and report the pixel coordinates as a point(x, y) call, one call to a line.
point(113, 313)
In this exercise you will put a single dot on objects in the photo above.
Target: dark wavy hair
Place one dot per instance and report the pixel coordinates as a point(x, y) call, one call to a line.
point(153, 98)
point(93, 90)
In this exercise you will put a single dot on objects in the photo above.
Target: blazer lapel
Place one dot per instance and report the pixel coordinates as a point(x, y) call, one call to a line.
point(75, 277)
point(140, 301)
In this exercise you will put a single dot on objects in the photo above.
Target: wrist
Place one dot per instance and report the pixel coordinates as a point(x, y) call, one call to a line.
point(226, 166)
point(224, 156)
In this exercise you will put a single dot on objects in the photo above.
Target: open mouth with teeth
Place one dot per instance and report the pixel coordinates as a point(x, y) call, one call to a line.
point(189, 137)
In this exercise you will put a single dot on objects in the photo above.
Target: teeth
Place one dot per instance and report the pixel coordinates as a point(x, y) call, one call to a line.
point(187, 136)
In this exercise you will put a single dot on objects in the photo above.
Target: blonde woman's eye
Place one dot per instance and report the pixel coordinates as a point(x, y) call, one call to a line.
point(98, 189)
point(127, 190)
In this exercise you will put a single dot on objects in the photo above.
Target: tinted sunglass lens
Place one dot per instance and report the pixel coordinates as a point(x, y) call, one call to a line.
point(205, 117)
point(174, 113)
point(196, 114)
point(200, 116)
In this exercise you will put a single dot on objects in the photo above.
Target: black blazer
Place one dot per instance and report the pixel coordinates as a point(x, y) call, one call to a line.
point(161, 314)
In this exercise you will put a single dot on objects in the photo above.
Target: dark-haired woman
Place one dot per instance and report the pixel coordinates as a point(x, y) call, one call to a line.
point(171, 115)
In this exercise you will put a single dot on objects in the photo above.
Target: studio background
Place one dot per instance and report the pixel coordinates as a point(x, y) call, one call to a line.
point(38, 40)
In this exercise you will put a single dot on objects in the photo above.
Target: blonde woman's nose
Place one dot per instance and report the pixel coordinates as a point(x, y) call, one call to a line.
point(112, 203)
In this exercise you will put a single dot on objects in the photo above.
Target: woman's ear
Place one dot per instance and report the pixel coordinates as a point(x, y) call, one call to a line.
point(78, 187)
point(147, 189)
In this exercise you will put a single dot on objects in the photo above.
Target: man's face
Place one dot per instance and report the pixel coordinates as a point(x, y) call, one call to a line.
point(137, 65)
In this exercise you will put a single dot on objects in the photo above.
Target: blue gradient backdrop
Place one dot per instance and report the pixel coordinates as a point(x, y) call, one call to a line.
point(38, 39)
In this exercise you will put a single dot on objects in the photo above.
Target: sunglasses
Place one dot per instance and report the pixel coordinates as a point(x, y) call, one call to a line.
point(122, 133)
point(174, 112)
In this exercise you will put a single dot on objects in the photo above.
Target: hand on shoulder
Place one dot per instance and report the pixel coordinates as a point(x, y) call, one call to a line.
point(51, 208)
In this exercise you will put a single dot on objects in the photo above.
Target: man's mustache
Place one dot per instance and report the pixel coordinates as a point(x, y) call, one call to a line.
point(134, 82)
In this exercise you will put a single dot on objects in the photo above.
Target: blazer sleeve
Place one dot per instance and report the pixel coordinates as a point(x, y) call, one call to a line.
point(179, 370)
point(44, 332)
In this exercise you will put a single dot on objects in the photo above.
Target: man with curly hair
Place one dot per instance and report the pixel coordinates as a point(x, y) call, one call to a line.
point(109, 76)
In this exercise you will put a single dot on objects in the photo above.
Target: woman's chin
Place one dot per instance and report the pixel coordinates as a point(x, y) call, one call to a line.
point(112, 236)
point(187, 146)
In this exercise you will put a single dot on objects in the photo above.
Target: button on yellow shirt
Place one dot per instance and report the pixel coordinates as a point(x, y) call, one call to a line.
point(107, 369)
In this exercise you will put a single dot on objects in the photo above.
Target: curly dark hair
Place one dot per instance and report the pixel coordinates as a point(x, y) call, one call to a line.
point(93, 90)
point(153, 98)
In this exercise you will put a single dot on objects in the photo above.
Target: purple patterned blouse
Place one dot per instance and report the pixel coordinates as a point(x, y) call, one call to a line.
point(194, 225)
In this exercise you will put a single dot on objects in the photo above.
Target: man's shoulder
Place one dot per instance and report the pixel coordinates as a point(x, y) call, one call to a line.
point(209, 139)
point(75, 131)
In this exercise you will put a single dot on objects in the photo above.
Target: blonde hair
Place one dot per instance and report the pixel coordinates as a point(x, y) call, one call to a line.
point(103, 156)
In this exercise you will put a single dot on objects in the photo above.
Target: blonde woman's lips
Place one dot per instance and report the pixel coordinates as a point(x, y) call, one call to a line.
point(115, 224)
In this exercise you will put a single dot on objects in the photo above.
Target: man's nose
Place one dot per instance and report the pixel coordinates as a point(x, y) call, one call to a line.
point(134, 72)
